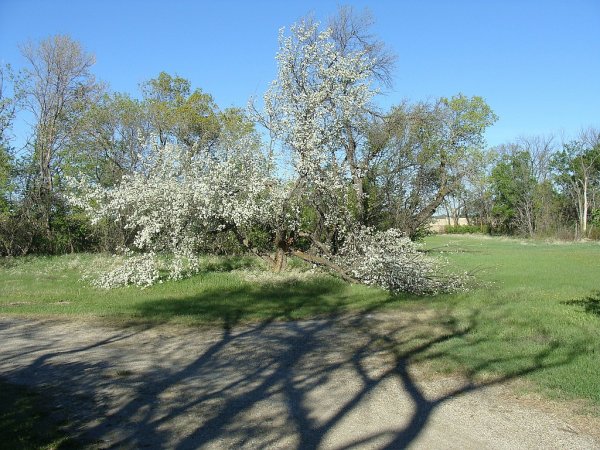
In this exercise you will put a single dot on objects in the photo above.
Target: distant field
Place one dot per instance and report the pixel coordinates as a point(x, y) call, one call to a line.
point(534, 312)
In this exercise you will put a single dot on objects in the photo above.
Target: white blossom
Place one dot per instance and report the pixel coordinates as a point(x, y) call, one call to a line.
point(175, 201)
point(390, 260)
point(179, 199)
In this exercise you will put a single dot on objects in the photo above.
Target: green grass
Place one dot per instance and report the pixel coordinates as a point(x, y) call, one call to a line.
point(223, 293)
point(25, 422)
point(534, 313)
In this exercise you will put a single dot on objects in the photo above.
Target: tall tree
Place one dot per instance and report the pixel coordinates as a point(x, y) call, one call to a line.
point(57, 84)
point(427, 149)
point(109, 139)
point(578, 172)
point(514, 187)
point(318, 92)
point(179, 115)
point(8, 108)
point(351, 34)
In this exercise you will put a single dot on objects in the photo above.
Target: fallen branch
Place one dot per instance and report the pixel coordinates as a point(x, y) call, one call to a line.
point(324, 262)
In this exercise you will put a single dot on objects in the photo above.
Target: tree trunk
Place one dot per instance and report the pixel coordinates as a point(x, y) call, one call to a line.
point(281, 251)
point(422, 216)
point(585, 208)
point(357, 180)
point(325, 262)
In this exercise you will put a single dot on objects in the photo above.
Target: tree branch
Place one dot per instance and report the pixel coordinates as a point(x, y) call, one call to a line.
point(314, 259)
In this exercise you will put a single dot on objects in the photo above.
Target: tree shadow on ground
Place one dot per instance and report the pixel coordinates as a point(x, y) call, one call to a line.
point(26, 421)
point(590, 304)
point(268, 384)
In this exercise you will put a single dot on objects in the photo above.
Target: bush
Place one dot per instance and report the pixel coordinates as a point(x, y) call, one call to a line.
point(466, 229)
point(594, 233)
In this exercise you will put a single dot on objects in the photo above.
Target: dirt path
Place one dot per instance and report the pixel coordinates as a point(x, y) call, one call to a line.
point(306, 385)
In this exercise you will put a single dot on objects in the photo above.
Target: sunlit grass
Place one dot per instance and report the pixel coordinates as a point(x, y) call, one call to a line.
point(536, 300)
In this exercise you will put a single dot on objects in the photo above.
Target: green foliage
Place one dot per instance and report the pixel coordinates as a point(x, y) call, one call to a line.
point(596, 217)
point(107, 142)
point(179, 114)
point(577, 173)
point(6, 179)
point(513, 185)
point(466, 229)
point(425, 151)
point(71, 232)
point(470, 118)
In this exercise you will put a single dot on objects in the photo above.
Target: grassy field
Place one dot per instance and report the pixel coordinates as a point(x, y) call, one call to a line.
point(538, 317)
point(534, 313)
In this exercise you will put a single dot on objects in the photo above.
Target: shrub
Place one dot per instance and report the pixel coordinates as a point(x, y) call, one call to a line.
point(466, 229)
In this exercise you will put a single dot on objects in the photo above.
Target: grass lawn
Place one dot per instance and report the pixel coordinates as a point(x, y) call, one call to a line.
point(540, 310)
point(534, 314)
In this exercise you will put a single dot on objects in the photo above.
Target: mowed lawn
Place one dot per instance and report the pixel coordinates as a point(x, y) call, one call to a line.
point(533, 311)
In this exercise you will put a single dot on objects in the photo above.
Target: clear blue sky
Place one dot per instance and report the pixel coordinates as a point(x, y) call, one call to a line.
point(537, 63)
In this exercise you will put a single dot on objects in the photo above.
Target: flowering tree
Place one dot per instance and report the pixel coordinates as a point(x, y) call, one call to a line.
point(318, 90)
point(313, 109)
point(175, 202)
point(181, 197)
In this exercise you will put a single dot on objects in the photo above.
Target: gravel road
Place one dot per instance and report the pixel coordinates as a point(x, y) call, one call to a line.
point(331, 383)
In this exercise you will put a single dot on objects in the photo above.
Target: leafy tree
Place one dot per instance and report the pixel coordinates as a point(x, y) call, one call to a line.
point(578, 174)
point(57, 85)
point(56, 88)
point(178, 115)
point(514, 188)
point(351, 35)
point(426, 151)
point(8, 107)
point(109, 139)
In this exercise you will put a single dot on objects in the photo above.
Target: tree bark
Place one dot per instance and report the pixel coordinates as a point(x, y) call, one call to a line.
point(357, 180)
point(281, 250)
point(585, 207)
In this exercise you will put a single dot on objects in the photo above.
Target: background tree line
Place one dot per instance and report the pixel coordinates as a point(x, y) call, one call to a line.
point(401, 166)
point(534, 186)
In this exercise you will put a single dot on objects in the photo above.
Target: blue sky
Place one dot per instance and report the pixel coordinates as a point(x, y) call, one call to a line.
point(537, 63)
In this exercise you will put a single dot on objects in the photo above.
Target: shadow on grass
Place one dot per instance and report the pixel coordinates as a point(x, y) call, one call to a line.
point(274, 301)
point(228, 263)
point(590, 304)
point(262, 384)
point(26, 421)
